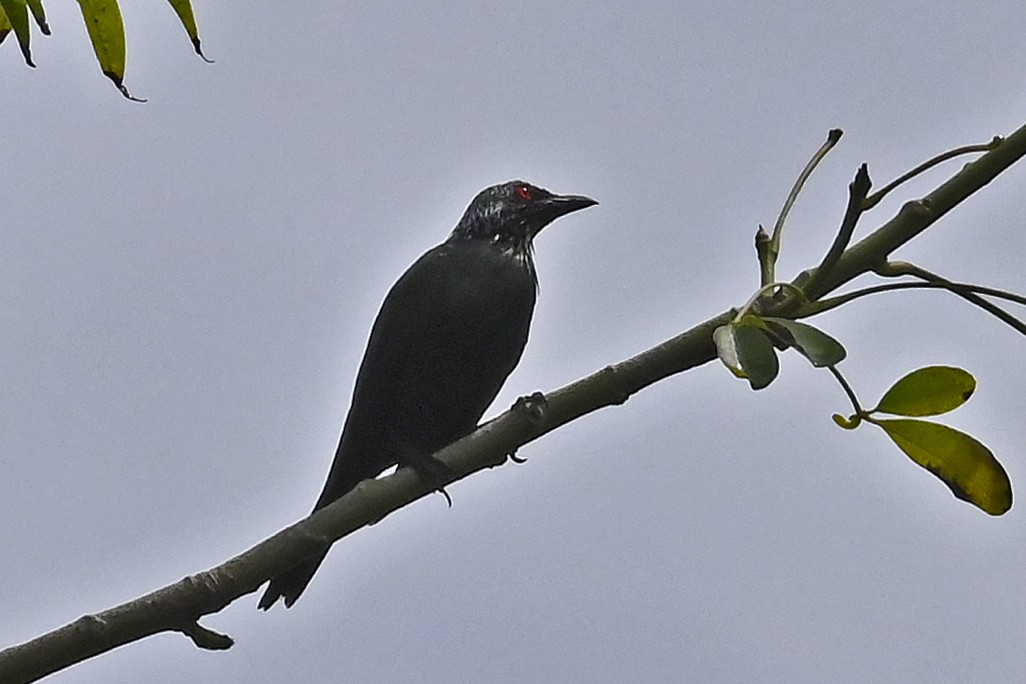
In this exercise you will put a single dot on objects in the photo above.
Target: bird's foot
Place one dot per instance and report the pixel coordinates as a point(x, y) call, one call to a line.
point(433, 471)
point(533, 406)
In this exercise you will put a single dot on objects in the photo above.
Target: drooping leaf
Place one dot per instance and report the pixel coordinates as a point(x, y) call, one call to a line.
point(107, 34)
point(928, 391)
point(183, 8)
point(965, 465)
point(818, 347)
point(40, 16)
point(5, 25)
point(726, 349)
point(16, 12)
point(758, 357)
point(747, 352)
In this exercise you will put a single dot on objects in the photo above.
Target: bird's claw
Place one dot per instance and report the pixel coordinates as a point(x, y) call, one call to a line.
point(533, 406)
point(448, 499)
point(432, 470)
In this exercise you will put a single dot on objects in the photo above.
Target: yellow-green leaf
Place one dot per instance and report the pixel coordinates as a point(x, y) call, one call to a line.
point(16, 12)
point(183, 8)
point(818, 347)
point(107, 34)
point(849, 423)
point(928, 391)
point(965, 465)
point(40, 16)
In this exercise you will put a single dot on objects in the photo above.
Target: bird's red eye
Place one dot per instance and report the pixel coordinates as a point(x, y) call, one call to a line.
point(523, 192)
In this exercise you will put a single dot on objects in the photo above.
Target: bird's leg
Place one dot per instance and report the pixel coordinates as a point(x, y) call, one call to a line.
point(429, 469)
point(533, 408)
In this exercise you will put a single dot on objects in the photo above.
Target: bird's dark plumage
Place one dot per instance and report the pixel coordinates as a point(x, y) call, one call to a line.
point(449, 332)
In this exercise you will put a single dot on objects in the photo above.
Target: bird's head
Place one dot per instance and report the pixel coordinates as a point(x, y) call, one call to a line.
point(512, 213)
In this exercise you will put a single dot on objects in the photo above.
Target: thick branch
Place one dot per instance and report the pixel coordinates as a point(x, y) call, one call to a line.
point(178, 607)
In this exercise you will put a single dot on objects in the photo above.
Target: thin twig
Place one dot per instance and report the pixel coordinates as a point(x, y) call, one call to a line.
point(900, 268)
point(772, 251)
point(875, 198)
point(857, 190)
point(816, 308)
point(967, 291)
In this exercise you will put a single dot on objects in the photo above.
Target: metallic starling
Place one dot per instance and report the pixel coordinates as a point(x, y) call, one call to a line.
point(449, 332)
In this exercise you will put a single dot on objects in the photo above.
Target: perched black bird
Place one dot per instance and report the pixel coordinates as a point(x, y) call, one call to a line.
point(449, 332)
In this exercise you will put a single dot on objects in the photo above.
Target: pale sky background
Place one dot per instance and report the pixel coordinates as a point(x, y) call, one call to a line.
point(188, 285)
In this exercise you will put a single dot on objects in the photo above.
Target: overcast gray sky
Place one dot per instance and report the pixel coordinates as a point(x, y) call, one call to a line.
point(188, 286)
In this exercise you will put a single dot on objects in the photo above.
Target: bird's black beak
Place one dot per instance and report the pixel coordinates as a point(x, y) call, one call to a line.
point(551, 208)
point(564, 204)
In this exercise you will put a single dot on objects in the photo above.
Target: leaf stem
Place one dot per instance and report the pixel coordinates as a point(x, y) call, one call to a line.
point(849, 391)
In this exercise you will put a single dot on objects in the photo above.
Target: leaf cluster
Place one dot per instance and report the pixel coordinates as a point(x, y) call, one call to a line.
point(104, 25)
point(748, 344)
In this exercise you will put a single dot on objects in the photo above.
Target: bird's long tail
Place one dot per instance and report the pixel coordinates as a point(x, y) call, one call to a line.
point(291, 583)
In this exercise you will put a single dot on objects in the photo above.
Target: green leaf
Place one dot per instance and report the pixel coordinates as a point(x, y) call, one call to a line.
point(928, 391)
point(107, 34)
point(965, 465)
point(183, 8)
point(40, 16)
point(818, 347)
point(747, 352)
point(16, 12)
point(5, 24)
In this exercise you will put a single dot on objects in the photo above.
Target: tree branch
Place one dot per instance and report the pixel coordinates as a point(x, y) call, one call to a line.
point(179, 606)
point(918, 215)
